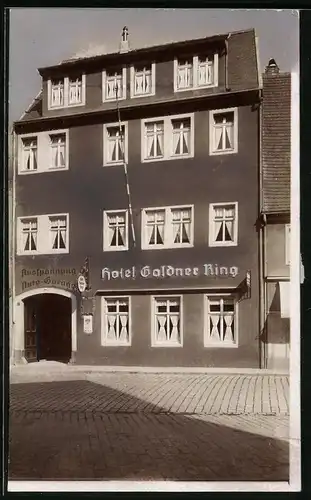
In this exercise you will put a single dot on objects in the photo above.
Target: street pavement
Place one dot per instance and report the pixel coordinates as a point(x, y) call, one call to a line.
point(149, 427)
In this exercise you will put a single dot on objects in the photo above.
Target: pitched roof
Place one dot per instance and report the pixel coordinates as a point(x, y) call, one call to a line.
point(276, 141)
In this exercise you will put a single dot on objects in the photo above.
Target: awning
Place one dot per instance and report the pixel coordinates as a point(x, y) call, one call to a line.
point(285, 298)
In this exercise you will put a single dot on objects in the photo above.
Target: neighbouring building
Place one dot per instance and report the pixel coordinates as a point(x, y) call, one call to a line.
point(275, 208)
point(137, 199)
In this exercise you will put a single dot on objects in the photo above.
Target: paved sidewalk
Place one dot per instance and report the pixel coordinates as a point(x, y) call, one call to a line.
point(136, 446)
point(155, 393)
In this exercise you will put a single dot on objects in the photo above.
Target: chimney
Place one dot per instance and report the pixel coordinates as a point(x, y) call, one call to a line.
point(124, 45)
point(272, 69)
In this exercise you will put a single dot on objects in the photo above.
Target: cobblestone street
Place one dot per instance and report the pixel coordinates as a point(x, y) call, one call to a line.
point(150, 427)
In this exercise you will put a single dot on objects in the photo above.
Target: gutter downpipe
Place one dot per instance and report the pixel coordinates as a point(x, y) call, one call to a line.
point(13, 242)
point(262, 260)
point(226, 63)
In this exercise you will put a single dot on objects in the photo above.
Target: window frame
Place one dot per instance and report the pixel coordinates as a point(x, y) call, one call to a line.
point(168, 232)
point(195, 65)
point(107, 248)
point(43, 235)
point(43, 152)
point(154, 342)
point(66, 104)
point(167, 137)
point(211, 242)
point(220, 344)
point(287, 244)
point(153, 81)
point(104, 79)
point(105, 144)
point(58, 132)
point(213, 112)
point(103, 330)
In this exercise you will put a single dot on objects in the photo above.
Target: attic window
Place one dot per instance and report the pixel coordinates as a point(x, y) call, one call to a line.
point(143, 80)
point(114, 84)
point(196, 72)
point(65, 92)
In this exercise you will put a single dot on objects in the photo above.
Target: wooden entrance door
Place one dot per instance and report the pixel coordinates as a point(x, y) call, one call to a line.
point(31, 333)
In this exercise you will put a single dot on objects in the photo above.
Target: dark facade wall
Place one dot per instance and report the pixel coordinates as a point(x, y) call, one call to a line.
point(88, 188)
point(193, 352)
point(275, 251)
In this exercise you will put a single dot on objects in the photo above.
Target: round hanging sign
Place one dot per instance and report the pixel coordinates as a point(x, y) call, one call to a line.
point(81, 283)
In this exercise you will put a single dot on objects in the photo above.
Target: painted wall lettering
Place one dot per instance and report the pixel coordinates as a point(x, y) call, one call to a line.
point(63, 277)
point(213, 270)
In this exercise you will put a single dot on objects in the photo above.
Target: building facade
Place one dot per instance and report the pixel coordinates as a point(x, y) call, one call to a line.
point(140, 170)
point(276, 173)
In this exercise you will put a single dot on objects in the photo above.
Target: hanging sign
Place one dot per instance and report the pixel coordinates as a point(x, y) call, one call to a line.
point(88, 323)
point(81, 283)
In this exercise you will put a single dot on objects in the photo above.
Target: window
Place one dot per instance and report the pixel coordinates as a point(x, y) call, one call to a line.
point(167, 322)
point(196, 72)
point(287, 244)
point(116, 230)
point(116, 321)
point(143, 80)
point(115, 144)
point(29, 228)
point(58, 150)
point(167, 227)
point(58, 232)
point(223, 131)
point(29, 154)
point(220, 321)
point(66, 92)
point(43, 152)
point(167, 138)
point(114, 85)
point(223, 223)
point(43, 234)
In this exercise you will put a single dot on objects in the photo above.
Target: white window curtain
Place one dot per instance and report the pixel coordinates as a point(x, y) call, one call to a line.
point(117, 320)
point(181, 136)
point(181, 221)
point(224, 218)
point(223, 131)
point(58, 230)
point(154, 136)
point(221, 315)
point(58, 147)
point(57, 93)
point(75, 91)
point(167, 320)
point(29, 235)
point(155, 223)
point(30, 152)
point(205, 71)
point(114, 86)
point(184, 74)
point(143, 81)
point(117, 229)
point(115, 144)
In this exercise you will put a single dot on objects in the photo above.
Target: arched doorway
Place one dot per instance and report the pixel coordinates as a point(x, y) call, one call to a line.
point(47, 323)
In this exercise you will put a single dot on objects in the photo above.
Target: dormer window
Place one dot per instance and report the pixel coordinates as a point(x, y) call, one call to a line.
point(196, 72)
point(114, 85)
point(66, 92)
point(143, 80)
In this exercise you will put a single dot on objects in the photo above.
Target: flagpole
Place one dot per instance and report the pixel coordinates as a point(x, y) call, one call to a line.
point(125, 170)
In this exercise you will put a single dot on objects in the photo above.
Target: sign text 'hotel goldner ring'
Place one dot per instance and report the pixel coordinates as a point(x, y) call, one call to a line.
point(212, 270)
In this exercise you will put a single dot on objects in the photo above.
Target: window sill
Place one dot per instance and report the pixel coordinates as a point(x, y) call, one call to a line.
point(119, 249)
point(112, 99)
point(220, 345)
point(115, 344)
point(30, 172)
point(167, 345)
point(114, 164)
point(198, 87)
point(134, 96)
point(223, 244)
point(168, 158)
point(217, 153)
point(164, 247)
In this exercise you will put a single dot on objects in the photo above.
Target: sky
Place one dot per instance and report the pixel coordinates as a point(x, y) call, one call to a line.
point(46, 36)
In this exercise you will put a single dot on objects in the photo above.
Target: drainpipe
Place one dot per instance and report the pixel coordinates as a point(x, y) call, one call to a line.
point(262, 242)
point(226, 63)
point(12, 245)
